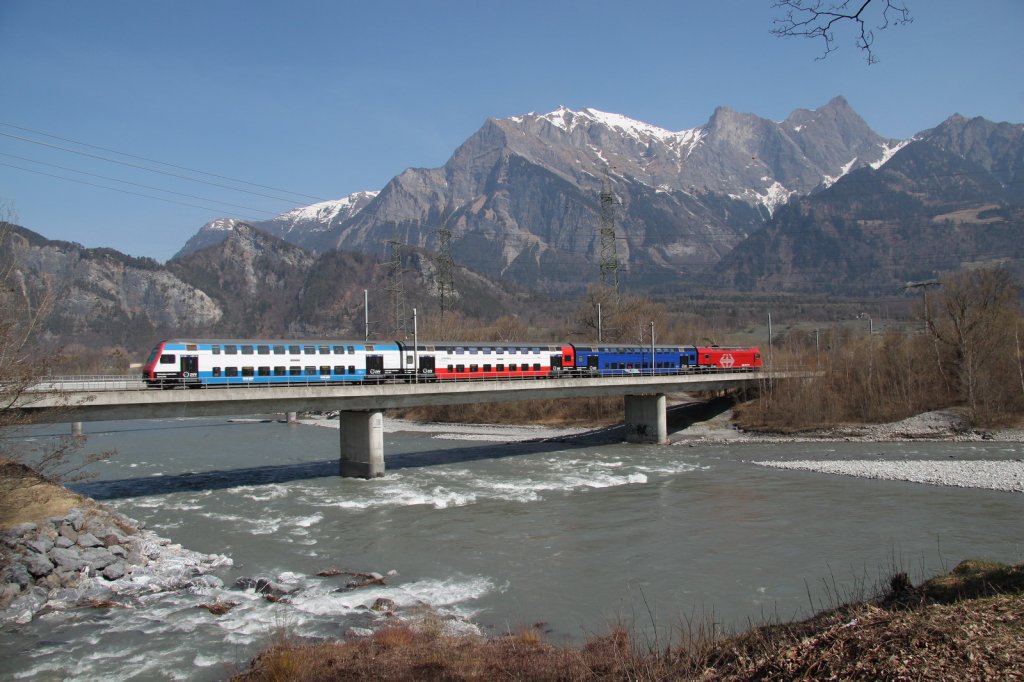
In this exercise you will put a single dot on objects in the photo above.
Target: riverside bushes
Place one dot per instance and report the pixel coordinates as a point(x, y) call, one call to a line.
point(968, 351)
point(964, 625)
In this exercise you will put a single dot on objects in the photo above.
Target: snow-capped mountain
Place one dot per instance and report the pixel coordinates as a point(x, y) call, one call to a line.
point(295, 226)
point(521, 194)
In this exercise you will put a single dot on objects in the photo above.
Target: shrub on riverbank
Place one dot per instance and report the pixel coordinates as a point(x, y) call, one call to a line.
point(963, 625)
point(967, 352)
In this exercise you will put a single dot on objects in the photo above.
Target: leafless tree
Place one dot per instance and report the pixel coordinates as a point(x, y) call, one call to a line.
point(977, 320)
point(24, 306)
point(819, 20)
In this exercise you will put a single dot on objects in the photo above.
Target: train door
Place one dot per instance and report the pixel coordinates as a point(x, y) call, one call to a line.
point(592, 365)
point(556, 364)
point(427, 363)
point(190, 369)
point(375, 367)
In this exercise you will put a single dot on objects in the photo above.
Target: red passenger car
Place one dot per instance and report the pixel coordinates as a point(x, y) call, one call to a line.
point(740, 359)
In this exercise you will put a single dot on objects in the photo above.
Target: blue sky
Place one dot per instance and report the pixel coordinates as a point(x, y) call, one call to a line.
point(325, 98)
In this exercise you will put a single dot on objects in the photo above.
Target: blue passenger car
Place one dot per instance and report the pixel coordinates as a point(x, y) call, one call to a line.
point(616, 360)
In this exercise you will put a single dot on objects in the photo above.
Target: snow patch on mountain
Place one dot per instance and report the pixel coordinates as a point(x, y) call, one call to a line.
point(888, 150)
point(776, 195)
point(221, 225)
point(568, 120)
point(326, 211)
point(830, 180)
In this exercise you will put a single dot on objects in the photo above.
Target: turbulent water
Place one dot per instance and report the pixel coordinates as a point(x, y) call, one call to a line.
point(579, 537)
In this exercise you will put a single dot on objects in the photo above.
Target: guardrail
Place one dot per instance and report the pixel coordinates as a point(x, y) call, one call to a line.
point(134, 382)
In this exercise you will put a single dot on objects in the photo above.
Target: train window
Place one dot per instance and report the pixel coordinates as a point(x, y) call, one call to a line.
point(310, 371)
point(707, 357)
point(757, 356)
point(280, 371)
point(369, 348)
point(460, 368)
point(216, 371)
point(536, 367)
point(473, 351)
point(339, 369)
point(263, 371)
point(325, 369)
point(450, 368)
point(278, 350)
point(191, 346)
point(167, 359)
point(500, 367)
point(325, 350)
point(294, 350)
point(263, 350)
point(231, 371)
point(474, 368)
point(247, 371)
point(409, 359)
point(487, 351)
point(338, 350)
point(512, 367)
point(294, 371)
point(487, 367)
point(215, 349)
point(351, 350)
point(309, 350)
point(246, 350)
point(351, 369)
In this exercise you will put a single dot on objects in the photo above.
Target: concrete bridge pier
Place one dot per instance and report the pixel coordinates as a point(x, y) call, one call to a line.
point(362, 443)
point(646, 420)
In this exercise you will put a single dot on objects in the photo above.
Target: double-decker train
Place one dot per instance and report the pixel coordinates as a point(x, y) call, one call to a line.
point(227, 362)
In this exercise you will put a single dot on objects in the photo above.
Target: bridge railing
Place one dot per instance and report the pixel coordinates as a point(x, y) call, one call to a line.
point(135, 382)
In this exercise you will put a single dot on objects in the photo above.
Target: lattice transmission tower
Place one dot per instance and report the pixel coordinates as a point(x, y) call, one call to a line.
point(609, 252)
point(396, 291)
point(445, 267)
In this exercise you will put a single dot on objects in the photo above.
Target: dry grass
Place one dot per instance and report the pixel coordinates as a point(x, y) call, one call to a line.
point(25, 496)
point(966, 625)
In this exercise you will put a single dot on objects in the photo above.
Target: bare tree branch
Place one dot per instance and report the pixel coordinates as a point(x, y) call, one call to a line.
point(818, 20)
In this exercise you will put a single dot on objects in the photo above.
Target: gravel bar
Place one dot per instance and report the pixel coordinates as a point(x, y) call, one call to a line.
point(989, 474)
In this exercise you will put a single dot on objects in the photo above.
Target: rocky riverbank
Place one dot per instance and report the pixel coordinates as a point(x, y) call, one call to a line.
point(89, 556)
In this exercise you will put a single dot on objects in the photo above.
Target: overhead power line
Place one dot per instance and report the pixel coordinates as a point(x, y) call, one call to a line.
point(162, 163)
point(128, 182)
point(145, 168)
point(114, 189)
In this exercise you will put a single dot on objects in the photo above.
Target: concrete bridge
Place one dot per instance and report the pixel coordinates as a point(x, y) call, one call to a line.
point(361, 406)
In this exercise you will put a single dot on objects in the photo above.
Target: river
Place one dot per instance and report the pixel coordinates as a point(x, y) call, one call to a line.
point(575, 536)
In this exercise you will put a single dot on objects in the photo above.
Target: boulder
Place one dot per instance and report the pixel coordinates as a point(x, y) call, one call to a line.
point(25, 606)
point(383, 604)
point(263, 586)
point(8, 591)
point(75, 517)
point(112, 539)
point(68, 531)
point(41, 545)
point(114, 571)
point(88, 540)
point(66, 558)
point(63, 542)
point(98, 558)
point(38, 565)
point(15, 572)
